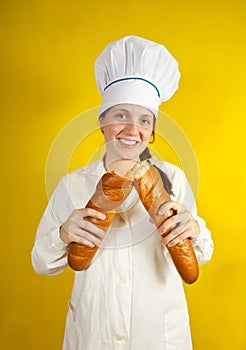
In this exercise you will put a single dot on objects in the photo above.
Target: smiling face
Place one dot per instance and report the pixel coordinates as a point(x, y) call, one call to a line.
point(127, 130)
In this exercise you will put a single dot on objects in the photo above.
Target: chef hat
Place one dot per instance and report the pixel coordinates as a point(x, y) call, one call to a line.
point(136, 71)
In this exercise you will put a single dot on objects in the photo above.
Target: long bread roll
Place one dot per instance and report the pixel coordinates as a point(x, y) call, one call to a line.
point(110, 192)
point(152, 195)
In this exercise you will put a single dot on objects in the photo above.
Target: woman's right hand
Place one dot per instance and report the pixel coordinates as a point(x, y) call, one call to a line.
point(77, 229)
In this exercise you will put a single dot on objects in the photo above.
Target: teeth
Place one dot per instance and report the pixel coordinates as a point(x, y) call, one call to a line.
point(128, 142)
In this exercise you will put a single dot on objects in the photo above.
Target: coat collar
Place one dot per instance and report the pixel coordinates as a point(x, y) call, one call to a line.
point(96, 168)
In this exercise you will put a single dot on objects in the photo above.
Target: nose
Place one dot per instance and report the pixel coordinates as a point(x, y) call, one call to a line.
point(132, 128)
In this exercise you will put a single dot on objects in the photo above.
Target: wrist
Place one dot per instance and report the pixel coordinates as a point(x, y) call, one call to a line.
point(64, 235)
point(196, 230)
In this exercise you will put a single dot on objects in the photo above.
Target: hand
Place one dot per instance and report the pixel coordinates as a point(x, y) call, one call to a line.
point(76, 229)
point(179, 226)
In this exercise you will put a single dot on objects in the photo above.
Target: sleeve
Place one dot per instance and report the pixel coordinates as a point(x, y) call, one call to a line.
point(49, 253)
point(203, 244)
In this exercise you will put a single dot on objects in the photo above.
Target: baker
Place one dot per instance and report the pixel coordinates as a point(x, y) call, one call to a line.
point(131, 296)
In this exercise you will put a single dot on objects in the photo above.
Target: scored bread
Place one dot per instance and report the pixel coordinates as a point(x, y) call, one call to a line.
point(152, 194)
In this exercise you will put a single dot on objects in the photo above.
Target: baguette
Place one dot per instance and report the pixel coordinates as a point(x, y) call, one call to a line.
point(152, 194)
point(110, 192)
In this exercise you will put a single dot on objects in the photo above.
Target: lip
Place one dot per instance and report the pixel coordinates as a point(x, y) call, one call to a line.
point(127, 143)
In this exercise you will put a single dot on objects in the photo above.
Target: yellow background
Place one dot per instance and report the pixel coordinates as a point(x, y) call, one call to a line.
point(47, 53)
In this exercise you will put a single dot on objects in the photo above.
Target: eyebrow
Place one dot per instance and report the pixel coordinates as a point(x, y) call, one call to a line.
point(127, 111)
point(119, 110)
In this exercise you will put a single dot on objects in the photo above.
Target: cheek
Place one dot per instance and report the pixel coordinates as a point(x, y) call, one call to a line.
point(110, 131)
point(146, 134)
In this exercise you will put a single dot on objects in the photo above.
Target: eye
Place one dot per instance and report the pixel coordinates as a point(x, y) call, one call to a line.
point(146, 122)
point(121, 116)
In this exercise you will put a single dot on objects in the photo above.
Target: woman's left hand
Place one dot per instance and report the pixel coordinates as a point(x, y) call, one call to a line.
point(179, 226)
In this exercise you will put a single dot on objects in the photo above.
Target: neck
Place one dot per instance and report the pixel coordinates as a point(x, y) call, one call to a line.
point(120, 166)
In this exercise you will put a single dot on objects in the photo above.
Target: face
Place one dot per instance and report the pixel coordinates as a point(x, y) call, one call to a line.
point(127, 130)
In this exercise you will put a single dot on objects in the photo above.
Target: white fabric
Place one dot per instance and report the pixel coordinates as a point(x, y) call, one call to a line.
point(155, 71)
point(130, 298)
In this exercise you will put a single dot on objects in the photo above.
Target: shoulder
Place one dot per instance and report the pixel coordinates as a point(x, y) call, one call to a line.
point(172, 171)
point(81, 176)
point(95, 168)
point(180, 186)
point(78, 185)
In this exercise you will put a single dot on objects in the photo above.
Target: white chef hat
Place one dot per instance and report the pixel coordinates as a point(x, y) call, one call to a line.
point(136, 71)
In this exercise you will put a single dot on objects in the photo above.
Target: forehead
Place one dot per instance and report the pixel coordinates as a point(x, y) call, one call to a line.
point(132, 109)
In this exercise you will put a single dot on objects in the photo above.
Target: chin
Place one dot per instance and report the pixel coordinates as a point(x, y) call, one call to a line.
point(131, 153)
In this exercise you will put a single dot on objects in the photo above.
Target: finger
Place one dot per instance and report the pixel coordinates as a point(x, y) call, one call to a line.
point(179, 239)
point(91, 228)
point(151, 221)
point(82, 230)
point(174, 234)
point(86, 242)
point(179, 218)
point(174, 222)
point(167, 226)
point(87, 238)
point(165, 207)
point(85, 212)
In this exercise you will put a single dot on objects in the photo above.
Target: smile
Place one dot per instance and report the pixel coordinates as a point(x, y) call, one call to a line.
point(128, 142)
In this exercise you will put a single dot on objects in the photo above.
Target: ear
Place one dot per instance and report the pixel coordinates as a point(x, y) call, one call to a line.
point(153, 137)
point(101, 123)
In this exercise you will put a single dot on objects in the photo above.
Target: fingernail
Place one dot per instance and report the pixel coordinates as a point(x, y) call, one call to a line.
point(167, 213)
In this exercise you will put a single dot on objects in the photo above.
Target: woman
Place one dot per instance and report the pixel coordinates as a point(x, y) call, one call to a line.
point(131, 296)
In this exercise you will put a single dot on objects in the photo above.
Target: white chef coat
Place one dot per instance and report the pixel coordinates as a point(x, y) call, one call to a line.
point(131, 297)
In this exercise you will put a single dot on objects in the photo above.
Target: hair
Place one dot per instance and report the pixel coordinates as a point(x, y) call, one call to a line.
point(146, 155)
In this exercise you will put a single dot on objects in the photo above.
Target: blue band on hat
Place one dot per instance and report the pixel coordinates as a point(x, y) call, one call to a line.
point(132, 78)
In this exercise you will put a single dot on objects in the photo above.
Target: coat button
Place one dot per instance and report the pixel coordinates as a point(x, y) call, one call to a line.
point(119, 337)
point(122, 280)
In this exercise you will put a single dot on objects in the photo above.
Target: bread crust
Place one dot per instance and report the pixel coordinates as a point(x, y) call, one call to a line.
point(152, 194)
point(110, 192)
